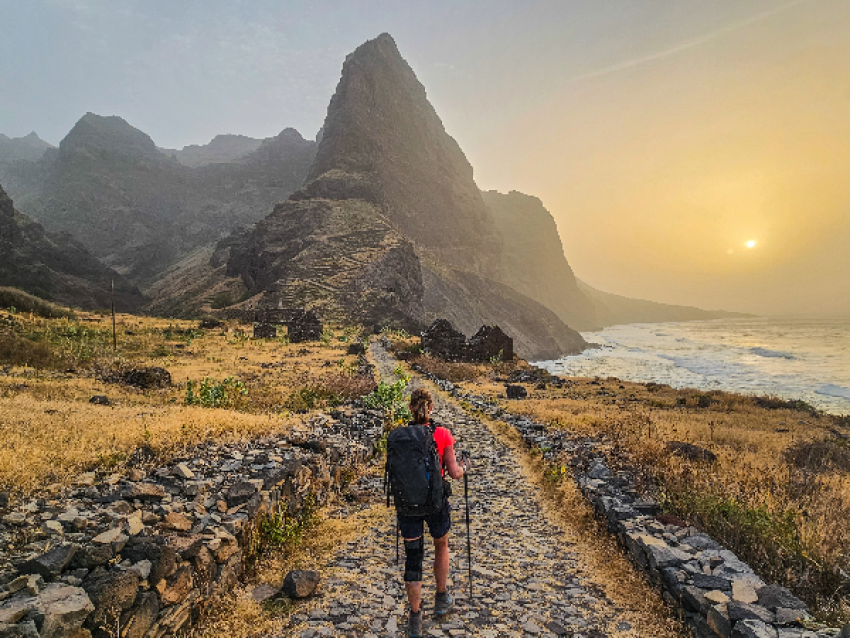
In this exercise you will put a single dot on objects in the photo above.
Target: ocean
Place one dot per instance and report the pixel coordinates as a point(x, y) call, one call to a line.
point(792, 359)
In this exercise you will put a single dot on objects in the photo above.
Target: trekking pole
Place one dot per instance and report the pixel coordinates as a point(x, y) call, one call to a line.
point(465, 456)
point(397, 533)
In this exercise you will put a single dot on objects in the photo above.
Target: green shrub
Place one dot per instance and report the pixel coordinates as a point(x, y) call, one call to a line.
point(390, 399)
point(216, 394)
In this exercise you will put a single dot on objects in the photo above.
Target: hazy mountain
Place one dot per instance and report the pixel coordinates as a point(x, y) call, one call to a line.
point(615, 309)
point(138, 209)
point(29, 148)
point(534, 260)
point(55, 266)
point(391, 228)
point(222, 149)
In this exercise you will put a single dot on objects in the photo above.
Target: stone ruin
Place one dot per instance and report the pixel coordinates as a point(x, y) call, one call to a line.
point(301, 324)
point(442, 340)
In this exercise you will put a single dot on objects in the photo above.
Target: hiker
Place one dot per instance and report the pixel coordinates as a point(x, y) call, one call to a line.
point(436, 512)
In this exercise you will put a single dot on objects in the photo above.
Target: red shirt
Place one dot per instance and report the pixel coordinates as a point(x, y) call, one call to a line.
point(444, 439)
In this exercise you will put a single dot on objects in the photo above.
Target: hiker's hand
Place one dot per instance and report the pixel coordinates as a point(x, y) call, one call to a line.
point(467, 464)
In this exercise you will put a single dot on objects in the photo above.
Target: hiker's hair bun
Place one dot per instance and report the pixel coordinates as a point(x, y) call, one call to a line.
point(420, 401)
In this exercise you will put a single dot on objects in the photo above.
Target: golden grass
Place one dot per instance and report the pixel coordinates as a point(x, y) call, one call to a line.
point(790, 524)
point(50, 433)
point(240, 616)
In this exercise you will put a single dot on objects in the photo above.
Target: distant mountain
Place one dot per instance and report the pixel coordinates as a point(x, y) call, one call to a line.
point(55, 266)
point(222, 149)
point(616, 309)
point(138, 209)
point(391, 228)
point(29, 148)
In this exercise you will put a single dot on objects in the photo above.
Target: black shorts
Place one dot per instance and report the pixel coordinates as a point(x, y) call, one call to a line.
point(439, 524)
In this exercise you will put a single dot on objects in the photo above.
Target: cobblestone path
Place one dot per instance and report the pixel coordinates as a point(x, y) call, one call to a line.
point(527, 580)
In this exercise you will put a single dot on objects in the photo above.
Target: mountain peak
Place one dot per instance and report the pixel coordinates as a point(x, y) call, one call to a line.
point(108, 133)
point(381, 130)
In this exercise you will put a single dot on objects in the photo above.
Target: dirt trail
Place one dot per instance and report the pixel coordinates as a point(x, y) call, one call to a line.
point(528, 578)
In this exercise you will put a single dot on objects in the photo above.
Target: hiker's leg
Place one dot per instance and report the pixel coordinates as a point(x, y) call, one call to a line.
point(441, 562)
point(414, 553)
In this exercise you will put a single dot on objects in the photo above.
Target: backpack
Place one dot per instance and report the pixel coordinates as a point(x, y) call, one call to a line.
point(413, 475)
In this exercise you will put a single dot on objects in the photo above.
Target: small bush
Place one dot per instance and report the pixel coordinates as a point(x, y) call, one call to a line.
point(819, 456)
point(390, 399)
point(775, 403)
point(216, 394)
point(18, 351)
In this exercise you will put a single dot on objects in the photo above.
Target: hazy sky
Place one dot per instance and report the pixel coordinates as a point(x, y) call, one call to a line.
point(662, 135)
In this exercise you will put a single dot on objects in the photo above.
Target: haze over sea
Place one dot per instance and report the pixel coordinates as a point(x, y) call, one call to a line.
point(793, 359)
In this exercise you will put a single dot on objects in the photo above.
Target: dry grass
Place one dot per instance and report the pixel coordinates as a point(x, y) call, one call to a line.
point(787, 521)
point(42, 406)
point(239, 616)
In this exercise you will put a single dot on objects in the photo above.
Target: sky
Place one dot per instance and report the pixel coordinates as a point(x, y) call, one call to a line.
point(662, 136)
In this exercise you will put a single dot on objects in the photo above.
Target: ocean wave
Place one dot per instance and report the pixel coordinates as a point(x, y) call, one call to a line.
point(832, 390)
point(772, 354)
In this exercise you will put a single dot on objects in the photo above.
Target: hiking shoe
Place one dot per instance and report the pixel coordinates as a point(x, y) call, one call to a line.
point(443, 603)
point(414, 624)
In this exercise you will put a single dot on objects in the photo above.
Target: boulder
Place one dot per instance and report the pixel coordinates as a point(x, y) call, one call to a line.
point(690, 451)
point(23, 630)
point(357, 347)
point(516, 392)
point(239, 493)
point(65, 609)
point(100, 399)
point(147, 378)
point(111, 593)
point(176, 587)
point(774, 597)
point(136, 621)
point(177, 521)
point(163, 558)
point(51, 563)
point(301, 583)
point(753, 629)
point(144, 492)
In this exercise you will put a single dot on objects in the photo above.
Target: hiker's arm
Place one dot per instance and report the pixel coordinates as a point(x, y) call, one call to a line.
point(454, 468)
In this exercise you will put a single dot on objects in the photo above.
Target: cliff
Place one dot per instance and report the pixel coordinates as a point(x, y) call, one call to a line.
point(55, 266)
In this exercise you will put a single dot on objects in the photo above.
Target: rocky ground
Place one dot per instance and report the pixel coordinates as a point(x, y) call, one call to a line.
point(528, 580)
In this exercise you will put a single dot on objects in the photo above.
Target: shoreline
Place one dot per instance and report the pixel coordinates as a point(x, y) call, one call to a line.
point(795, 360)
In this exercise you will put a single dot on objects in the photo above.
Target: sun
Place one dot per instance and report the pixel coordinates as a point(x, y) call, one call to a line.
point(751, 243)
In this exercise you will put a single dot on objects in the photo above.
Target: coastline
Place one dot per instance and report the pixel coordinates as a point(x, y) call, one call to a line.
point(792, 359)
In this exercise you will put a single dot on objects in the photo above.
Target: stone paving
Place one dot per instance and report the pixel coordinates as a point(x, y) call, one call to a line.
point(527, 580)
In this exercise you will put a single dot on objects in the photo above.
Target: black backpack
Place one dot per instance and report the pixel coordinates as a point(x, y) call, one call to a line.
point(413, 474)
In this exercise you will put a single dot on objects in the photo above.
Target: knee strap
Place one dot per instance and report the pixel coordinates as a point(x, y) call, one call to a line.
point(414, 554)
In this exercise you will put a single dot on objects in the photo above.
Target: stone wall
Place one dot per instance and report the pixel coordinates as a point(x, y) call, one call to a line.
point(715, 594)
point(146, 548)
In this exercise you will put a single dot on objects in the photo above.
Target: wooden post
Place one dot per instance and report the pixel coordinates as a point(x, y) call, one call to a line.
point(114, 336)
